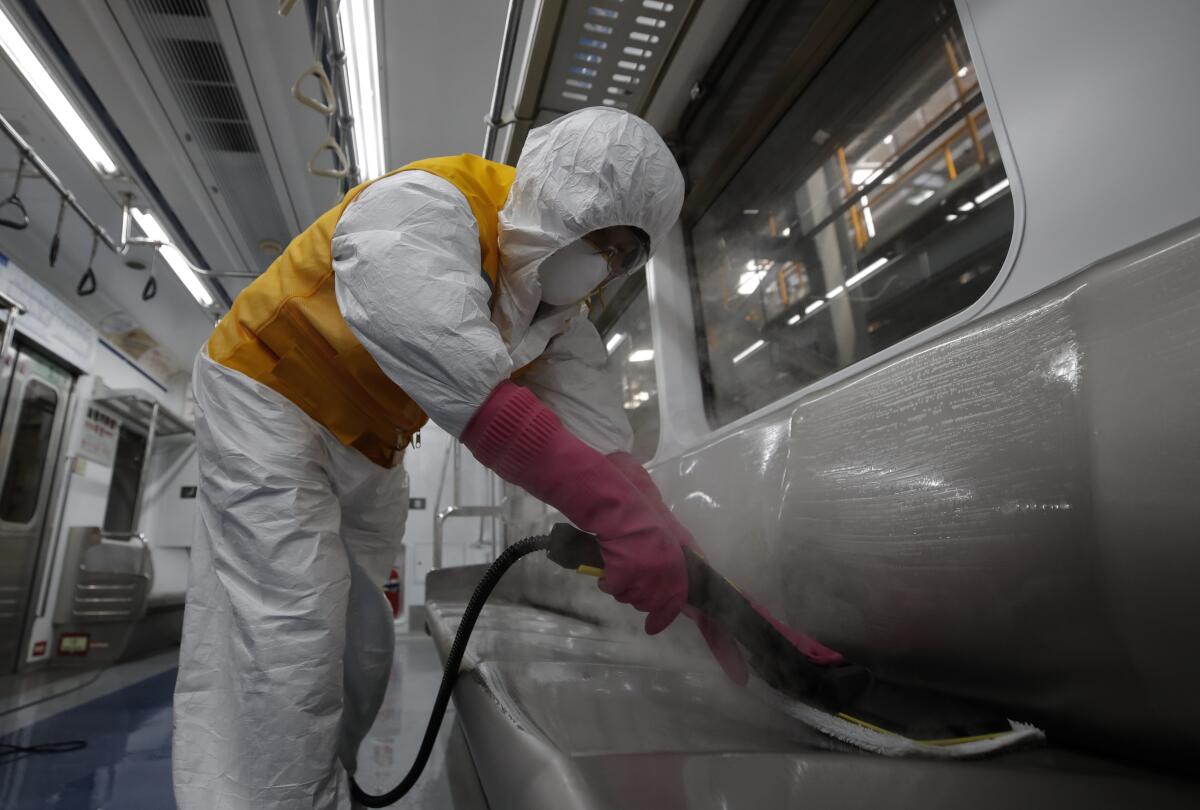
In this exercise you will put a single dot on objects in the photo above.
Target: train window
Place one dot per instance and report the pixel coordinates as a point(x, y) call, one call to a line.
point(126, 480)
point(631, 357)
point(30, 452)
point(876, 207)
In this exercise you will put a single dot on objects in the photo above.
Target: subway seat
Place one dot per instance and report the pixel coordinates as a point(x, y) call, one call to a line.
point(566, 704)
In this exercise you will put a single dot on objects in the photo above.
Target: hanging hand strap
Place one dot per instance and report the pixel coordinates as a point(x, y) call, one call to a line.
point(327, 104)
point(341, 162)
point(21, 222)
point(87, 284)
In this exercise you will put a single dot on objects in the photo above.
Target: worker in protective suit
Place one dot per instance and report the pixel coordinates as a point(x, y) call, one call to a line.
point(451, 290)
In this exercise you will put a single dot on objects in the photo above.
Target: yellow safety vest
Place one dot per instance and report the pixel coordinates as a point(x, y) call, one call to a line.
point(285, 330)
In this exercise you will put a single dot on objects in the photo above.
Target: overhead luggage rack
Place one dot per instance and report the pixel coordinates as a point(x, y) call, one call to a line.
point(144, 411)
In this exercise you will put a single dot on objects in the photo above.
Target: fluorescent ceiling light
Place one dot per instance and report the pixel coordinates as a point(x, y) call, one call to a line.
point(30, 66)
point(174, 257)
point(642, 396)
point(889, 139)
point(749, 350)
point(861, 275)
point(963, 71)
point(951, 217)
point(641, 356)
point(357, 19)
point(987, 194)
point(615, 341)
point(835, 292)
point(795, 319)
point(813, 307)
point(967, 206)
point(787, 232)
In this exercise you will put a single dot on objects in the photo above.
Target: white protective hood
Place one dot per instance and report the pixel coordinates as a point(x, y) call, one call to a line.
point(593, 168)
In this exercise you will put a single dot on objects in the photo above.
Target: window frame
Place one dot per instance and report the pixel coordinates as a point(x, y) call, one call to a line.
point(751, 135)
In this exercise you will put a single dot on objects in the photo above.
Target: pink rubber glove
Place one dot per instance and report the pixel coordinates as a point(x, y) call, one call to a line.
point(521, 439)
point(722, 645)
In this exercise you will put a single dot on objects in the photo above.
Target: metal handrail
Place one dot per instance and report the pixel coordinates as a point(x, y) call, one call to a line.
point(439, 524)
point(26, 151)
point(330, 52)
point(456, 509)
point(99, 233)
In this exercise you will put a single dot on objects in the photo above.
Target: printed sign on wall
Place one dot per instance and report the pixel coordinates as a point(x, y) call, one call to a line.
point(99, 441)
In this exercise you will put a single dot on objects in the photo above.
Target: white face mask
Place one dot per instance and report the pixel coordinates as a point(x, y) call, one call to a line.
point(570, 273)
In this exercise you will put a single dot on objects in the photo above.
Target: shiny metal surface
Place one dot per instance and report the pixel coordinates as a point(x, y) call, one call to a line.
point(1001, 513)
point(550, 725)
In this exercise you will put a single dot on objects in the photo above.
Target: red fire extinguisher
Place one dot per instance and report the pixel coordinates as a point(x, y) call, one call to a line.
point(392, 591)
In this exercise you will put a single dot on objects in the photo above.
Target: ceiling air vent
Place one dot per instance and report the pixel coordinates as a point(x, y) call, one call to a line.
point(609, 52)
point(187, 47)
point(603, 53)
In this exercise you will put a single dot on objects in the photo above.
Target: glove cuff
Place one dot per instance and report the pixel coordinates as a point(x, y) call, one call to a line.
point(511, 431)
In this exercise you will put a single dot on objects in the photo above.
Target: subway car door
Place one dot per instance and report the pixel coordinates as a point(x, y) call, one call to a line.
point(35, 406)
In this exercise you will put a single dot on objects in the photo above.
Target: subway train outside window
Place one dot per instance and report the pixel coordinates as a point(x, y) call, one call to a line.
point(874, 208)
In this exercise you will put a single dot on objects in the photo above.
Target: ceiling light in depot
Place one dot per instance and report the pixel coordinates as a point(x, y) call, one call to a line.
point(615, 341)
point(868, 219)
point(967, 206)
point(866, 272)
point(792, 321)
point(749, 350)
point(951, 217)
point(988, 193)
point(748, 282)
point(641, 356)
point(813, 307)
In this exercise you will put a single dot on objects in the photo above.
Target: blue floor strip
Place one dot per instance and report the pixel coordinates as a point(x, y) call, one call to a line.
point(126, 765)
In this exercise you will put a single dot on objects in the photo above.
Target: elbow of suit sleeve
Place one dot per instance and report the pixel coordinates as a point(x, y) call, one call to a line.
point(406, 272)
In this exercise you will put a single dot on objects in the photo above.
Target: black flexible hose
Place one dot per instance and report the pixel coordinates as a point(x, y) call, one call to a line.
point(450, 674)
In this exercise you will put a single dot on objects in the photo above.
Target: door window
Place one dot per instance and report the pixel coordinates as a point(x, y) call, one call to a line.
point(30, 451)
point(126, 480)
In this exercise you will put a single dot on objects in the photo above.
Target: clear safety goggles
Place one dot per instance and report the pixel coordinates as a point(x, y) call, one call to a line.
point(625, 256)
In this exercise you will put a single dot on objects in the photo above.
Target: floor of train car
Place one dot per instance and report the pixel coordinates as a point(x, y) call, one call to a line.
point(124, 714)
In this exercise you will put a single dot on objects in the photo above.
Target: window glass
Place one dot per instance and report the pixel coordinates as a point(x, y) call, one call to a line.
point(631, 358)
point(876, 207)
point(30, 451)
point(126, 478)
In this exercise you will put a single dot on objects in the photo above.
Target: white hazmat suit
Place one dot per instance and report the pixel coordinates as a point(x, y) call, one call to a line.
point(287, 637)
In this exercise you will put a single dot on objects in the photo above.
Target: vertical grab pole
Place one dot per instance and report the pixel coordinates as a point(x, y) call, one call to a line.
point(512, 22)
point(150, 431)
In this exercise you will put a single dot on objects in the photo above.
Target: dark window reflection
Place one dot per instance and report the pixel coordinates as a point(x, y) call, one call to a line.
point(30, 452)
point(876, 207)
